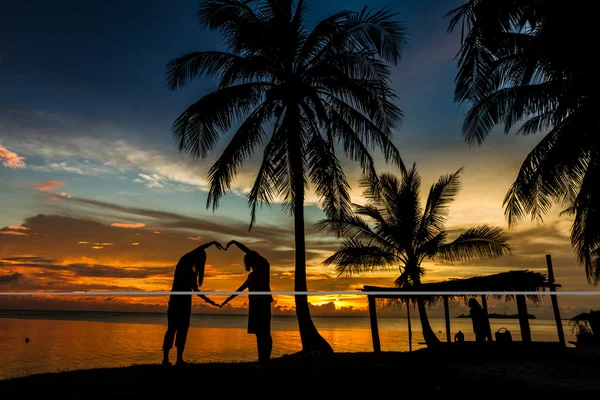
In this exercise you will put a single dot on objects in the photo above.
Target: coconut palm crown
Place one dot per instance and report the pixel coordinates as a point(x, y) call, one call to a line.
point(393, 231)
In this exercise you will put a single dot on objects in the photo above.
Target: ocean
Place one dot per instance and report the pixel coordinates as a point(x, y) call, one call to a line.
point(61, 341)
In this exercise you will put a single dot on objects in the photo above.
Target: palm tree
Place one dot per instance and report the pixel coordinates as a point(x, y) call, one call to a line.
point(520, 62)
point(403, 234)
point(304, 94)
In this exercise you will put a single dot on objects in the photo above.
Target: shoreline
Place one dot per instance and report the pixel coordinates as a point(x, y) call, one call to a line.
point(510, 371)
point(4, 314)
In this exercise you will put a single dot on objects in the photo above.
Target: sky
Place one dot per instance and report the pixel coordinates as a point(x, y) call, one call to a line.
point(96, 196)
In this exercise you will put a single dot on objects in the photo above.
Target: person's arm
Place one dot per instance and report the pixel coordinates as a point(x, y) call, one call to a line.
point(239, 245)
point(233, 296)
point(206, 246)
point(203, 297)
point(209, 301)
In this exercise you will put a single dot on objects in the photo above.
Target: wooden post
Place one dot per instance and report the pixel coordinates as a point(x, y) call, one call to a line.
point(374, 327)
point(447, 318)
point(409, 326)
point(553, 297)
point(523, 318)
point(487, 317)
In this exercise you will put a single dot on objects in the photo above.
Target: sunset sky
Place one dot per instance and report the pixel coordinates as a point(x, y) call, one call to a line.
point(95, 195)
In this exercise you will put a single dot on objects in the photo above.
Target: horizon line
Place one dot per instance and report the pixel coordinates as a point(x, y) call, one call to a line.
point(365, 293)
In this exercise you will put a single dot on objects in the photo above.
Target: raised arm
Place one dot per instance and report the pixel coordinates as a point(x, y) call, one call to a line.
point(239, 245)
point(206, 246)
point(233, 296)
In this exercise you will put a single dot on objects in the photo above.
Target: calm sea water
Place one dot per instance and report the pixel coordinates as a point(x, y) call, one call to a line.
point(80, 340)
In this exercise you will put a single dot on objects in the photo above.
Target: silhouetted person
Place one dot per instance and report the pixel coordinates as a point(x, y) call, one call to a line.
point(480, 325)
point(259, 310)
point(459, 337)
point(189, 275)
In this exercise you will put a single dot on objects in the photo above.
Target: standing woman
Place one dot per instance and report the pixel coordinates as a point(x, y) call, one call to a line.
point(259, 310)
point(189, 275)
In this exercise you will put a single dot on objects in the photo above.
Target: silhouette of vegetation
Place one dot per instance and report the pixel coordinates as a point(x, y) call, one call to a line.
point(302, 94)
point(586, 327)
point(521, 60)
point(404, 234)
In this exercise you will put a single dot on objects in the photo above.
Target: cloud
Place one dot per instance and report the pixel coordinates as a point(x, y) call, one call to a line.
point(154, 181)
point(17, 228)
point(127, 225)
point(13, 233)
point(11, 278)
point(10, 159)
point(50, 184)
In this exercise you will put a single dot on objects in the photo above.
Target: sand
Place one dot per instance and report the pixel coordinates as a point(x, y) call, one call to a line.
point(484, 374)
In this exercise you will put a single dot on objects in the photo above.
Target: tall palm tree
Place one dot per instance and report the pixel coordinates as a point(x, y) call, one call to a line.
point(403, 234)
point(521, 62)
point(304, 94)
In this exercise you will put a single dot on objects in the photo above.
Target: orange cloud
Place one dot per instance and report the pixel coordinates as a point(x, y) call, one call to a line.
point(13, 233)
point(196, 238)
point(82, 242)
point(127, 225)
point(17, 228)
point(97, 247)
point(134, 244)
point(157, 232)
point(103, 244)
point(10, 159)
point(50, 184)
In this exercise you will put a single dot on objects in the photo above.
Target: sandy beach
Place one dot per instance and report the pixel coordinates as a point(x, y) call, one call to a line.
point(507, 372)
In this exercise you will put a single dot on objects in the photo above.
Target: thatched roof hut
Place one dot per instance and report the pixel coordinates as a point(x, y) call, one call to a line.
point(454, 289)
point(512, 281)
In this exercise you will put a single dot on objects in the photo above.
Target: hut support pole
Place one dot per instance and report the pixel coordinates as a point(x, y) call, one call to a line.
point(523, 319)
point(409, 326)
point(374, 327)
point(553, 297)
point(447, 318)
point(487, 318)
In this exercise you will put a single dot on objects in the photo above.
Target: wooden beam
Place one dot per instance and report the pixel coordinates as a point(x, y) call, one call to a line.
point(409, 326)
point(487, 317)
point(553, 297)
point(374, 327)
point(447, 318)
point(523, 319)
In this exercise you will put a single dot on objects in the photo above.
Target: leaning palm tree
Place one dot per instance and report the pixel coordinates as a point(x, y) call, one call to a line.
point(521, 63)
point(303, 94)
point(403, 234)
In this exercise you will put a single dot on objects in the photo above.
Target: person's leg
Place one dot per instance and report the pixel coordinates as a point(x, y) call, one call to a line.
point(264, 344)
point(168, 343)
point(182, 332)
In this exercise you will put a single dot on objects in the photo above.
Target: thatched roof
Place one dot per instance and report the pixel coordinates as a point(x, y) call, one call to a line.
point(512, 281)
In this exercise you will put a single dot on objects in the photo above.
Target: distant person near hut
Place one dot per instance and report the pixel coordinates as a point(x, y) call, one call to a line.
point(459, 337)
point(480, 323)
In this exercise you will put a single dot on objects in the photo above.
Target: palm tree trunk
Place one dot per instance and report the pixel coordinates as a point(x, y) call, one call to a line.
point(430, 338)
point(310, 337)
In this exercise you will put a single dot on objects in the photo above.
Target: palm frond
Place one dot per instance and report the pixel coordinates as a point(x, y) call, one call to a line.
point(247, 138)
point(185, 68)
point(198, 129)
point(441, 194)
point(481, 242)
point(377, 29)
point(355, 257)
point(550, 171)
point(325, 171)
